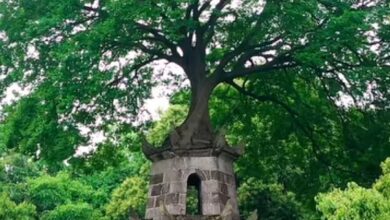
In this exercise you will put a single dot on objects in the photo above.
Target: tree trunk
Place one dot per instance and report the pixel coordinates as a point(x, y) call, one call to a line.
point(197, 128)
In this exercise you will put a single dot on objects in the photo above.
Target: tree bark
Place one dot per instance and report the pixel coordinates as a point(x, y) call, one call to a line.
point(197, 128)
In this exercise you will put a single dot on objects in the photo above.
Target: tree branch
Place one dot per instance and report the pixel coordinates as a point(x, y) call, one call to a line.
point(88, 8)
point(157, 36)
point(280, 62)
point(192, 8)
point(155, 52)
point(135, 67)
point(306, 129)
point(243, 47)
point(210, 24)
point(204, 7)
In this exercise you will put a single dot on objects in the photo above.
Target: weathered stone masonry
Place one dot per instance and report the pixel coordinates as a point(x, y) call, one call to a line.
point(168, 185)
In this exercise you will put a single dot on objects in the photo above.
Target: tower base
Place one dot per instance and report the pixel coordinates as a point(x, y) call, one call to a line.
point(170, 178)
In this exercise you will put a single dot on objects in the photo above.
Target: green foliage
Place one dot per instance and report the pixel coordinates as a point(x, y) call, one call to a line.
point(281, 152)
point(192, 201)
point(16, 168)
point(298, 140)
point(10, 211)
point(77, 192)
point(356, 202)
point(48, 192)
point(128, 199)
point(382, 185)
point(111, 177)
point(68, 53)
point(82, 211)
point(272, 201)
point(33, 126)
point(296, 137)
point(172, 118)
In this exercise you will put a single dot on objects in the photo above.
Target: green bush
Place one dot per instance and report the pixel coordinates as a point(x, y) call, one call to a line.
point(356, 202)
point(271, 201)
point(48, 192)
point(79, 211)
point(9, 210)
point(128, 199)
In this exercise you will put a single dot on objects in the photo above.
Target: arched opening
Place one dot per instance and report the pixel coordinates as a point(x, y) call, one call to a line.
point(193, 201)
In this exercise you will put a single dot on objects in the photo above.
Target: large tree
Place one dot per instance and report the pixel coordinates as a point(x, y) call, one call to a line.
point(95, 58)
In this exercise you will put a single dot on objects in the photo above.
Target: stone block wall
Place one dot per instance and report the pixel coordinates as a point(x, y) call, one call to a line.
point(168, 185)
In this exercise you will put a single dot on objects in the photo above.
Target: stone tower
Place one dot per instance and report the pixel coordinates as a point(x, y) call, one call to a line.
point(208, 168)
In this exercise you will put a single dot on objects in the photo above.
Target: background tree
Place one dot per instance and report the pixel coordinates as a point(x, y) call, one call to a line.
point(9, 210)
point(356, 202)
point(129, 199)
point(28, 191)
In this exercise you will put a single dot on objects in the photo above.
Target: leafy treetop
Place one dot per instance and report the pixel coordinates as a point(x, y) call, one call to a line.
point(95, 58)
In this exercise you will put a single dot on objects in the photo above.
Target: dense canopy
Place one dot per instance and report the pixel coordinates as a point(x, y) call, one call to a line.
point(94, 58)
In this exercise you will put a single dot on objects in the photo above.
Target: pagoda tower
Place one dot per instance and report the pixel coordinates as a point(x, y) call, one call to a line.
point(206, 167)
